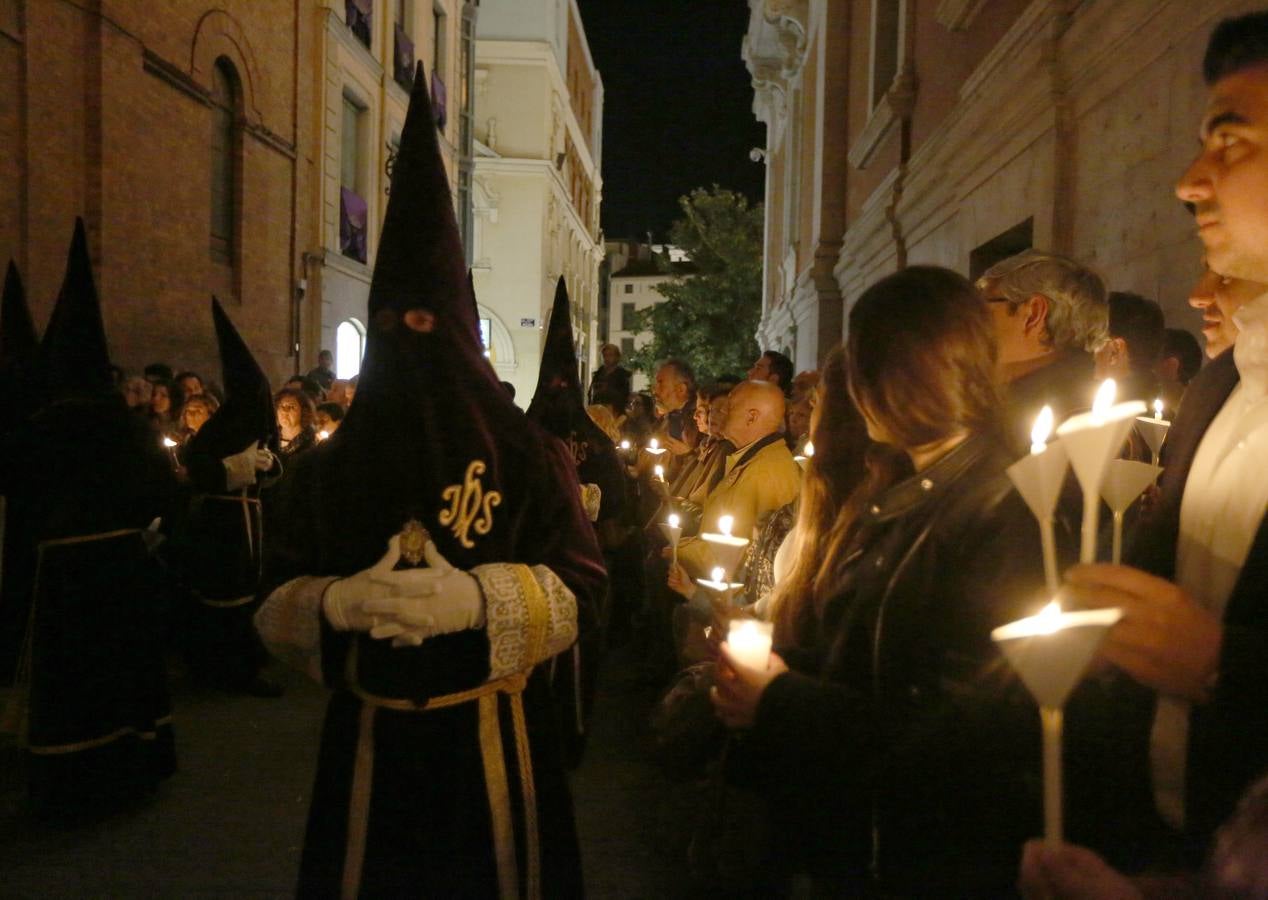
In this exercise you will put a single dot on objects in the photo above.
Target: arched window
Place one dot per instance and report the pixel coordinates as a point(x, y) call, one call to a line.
point(226, 98)
point(349, 348)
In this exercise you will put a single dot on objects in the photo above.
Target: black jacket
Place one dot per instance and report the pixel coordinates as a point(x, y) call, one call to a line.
point(916, 750)
point(1228, 737)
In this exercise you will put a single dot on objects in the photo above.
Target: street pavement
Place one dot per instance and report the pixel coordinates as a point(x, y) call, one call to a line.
point(230, 822)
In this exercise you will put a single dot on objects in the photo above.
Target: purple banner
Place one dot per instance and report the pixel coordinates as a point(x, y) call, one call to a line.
point(359, 15)
point(438, 100)
point(352, 219)
point(403, 60)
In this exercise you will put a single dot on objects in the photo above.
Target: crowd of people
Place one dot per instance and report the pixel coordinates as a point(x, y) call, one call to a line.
point(437, 558)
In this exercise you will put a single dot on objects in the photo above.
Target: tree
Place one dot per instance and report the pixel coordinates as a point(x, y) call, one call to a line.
point(709, 317)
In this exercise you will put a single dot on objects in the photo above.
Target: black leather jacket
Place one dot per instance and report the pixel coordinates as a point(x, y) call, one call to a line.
point(911, 755)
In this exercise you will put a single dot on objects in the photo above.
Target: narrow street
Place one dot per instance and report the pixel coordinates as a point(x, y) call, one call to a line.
point(230, 822)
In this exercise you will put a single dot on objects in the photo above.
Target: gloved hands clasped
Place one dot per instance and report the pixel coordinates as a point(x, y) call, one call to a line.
point(241, 468)
point(409, 605)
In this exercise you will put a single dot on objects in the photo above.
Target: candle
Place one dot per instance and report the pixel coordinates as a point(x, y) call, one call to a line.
point(810, 449)
point(1092, 440)
point(625, 445)
point(654, 447)
point(659, 471)
point(725, 524)
point(718, 575)
point(1041, 431)
point(171, 446)
point(749, 641)
point(672, 531)
point(727, 549)
point(1050, 652)
point(322, 435)
point(1154, 430)
point(1158, 408)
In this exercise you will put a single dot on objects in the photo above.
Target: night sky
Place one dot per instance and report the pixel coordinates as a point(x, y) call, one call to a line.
point(677, 107)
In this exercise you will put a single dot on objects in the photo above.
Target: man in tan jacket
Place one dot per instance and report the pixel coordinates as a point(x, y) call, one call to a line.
point(761, 475)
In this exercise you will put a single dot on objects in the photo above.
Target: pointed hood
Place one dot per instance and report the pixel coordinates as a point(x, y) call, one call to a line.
point(429, 407)
point(475, 309)
point(559, 408)
point(247, 414)
point(73, 359)
point(558, 378)
point(18, 342)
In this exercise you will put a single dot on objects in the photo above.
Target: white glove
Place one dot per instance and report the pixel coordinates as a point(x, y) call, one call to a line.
point(344, 600)
point(240, 468)
point(440, 600)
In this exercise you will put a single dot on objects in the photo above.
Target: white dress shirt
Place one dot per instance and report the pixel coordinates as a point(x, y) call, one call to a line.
point(1223, 504)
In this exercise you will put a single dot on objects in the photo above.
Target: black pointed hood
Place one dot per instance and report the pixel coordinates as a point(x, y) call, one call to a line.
point(18, 342)
point(557, 378)
point(475, 309)
point(247, 414)
point(430, 417)
point(559, 408)
point(73, 359)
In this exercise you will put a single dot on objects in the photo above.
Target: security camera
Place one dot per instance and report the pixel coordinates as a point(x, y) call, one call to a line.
point(757, 154)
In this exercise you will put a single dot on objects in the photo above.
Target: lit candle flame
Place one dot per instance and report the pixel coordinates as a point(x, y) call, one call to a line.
point(810, 449)
point(725, 523)
point(653, 444)
point(673, 520)
point(625, 445)
point(1042, 431)
point(1049, 619)
point(1104, 398)
point(1158, 408)
point(660, 472)
point(718, 574)
point(322, 435)
point(168, 443)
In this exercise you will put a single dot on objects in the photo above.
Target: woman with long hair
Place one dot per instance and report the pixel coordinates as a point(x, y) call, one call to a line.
point(295, 415)
point(897, 751)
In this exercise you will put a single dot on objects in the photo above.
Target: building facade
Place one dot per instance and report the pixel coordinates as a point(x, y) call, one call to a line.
point(537, 187)
point(360, 66)
point(633, 286)
point(172, 130)
point(958, 132)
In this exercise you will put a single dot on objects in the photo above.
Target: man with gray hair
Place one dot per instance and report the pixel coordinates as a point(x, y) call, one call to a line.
point(1050, 315)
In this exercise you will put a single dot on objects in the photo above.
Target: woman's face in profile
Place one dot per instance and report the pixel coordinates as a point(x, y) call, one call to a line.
point(160, 400)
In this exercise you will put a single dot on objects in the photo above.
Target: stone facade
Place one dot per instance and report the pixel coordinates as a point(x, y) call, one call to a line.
point(953, 132)
point(537, 185)
point(359, 75)
point(633, 286)
point(107, 113)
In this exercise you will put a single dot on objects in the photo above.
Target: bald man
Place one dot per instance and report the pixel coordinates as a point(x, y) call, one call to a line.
point(761, 475)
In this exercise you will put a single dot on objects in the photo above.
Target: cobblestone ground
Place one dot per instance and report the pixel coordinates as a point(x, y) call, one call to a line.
point(230, 822)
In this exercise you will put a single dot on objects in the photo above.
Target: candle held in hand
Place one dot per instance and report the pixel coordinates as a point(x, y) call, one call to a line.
point(749, 642)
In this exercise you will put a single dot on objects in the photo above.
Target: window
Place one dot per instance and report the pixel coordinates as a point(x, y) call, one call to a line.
point(349, 348)
point(403, 42)
point(886, 37)
point(359, 14)
point(999, 248)
point(440, 26)
point(225, 99)
point(353, 211)
point(627, 316)
point(627, 347)
point(629, 288)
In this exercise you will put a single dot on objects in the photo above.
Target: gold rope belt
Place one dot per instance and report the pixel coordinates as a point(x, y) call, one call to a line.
point(252, 523)
point(495, 777)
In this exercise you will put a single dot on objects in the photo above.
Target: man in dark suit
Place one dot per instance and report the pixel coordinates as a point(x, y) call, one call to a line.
point(1195, 600)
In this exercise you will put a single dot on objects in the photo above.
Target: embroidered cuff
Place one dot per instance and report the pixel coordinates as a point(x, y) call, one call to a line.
point(531, 616)
point(591, 499)
point(289, 623)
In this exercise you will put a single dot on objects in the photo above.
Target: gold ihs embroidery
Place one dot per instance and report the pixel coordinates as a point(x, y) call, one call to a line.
point(580, 449)
point(470, 507)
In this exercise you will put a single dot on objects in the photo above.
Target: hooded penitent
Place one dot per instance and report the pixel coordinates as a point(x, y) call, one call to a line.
point(247, 414)
point(87, 478)
point(558, 406)
point(431, 437)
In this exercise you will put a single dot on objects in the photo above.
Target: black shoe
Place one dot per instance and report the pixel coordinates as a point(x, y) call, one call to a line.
point(262, 687)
